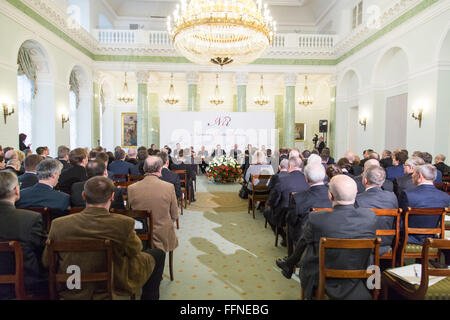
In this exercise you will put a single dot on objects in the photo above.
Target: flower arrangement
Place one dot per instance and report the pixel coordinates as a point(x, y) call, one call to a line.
point(224, 170)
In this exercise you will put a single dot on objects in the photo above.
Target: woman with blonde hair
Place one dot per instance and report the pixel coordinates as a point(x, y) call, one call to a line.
point(259, 167)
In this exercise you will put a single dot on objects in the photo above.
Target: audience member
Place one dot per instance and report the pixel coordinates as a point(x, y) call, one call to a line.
point(439, 163)
point(376, 198)
point(29, 178)
point(120, 166)
point(282, 172)
point(386, 160)
point(302, 202)
point(396, 171)
point(387, 185)
point(103, 157)
point(132, 155)
point(428, 158)
point(345, 167)
point(153, 194)
point(14, 166)
point(332, 170)
point(95, 168)
point(42, 194)
point(259, 167)
point(168, 176)
point(404, 183)
point(2, 162)
point(27, 228)
point(92, 155)
point(63, 157)
point(138, 169)
point(22, 145)
point(345, 221)
point(355, 170)
point(132, 268)
point(77, 172)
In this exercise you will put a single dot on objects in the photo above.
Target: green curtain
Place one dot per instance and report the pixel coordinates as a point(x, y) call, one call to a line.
point(75, 86)
point(27, 67)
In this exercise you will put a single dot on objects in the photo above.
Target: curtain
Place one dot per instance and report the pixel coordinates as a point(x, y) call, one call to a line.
point(75, 86)
point(27, 67)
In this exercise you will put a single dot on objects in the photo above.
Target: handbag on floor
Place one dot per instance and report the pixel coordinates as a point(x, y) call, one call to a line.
point(243, 193)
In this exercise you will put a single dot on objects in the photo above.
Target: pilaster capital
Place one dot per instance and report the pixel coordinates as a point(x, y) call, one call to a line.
point(142, 77)
point(241, 78)
point(192, 77)
point(290, 79)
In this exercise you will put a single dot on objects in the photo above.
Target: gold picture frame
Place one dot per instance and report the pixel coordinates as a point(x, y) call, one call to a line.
point(129, 130)
point(300, 132)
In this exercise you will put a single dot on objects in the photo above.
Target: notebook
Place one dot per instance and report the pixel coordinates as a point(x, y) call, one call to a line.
point(412, 274)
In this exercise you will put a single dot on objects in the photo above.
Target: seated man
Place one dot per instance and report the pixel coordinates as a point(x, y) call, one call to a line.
point(424, 195)
point(428, 158)
point(13, 165)
point(42, 195)
point(168, 176)
point(439, 163)
point(278, 201)
point(27, 228)
point(77, 172)
point(29, 178)
point(153, 194)
point(376, 198)
point(283, 172)
point(302, 203)
point(132, 156)
point(181, 164)
point(203, 154)
point(387, 184)
point(344, 222)
point(404, 183)
point(138, 168)
point(120, 166)
point(398, 160)
point(132, 268)
point(96, 168)
point(63, 157)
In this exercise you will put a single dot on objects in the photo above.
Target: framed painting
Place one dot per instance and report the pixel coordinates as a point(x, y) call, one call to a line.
point(129, 130)
point(299, 132)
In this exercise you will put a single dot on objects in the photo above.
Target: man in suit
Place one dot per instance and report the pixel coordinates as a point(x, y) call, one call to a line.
point(376, 198)
point(355, 170)
point(344, 222)
point(424, 195)
point(203, 154)
point(63, 157)
point(396, 171)
point(131, 157)
point(218, 152)
point(78, 159)
point(439, 163)
point(138, 169)
point(284, 154)
point(13, 166)
point(153, 194)
point(302, 202)
point(132, 267)
point(95, 168)
point(387, 184)
point(365, 156)
point(42, 194)
point(278, 201)
point(190, 175)
point(168, 176)
point(177, 150)
point(282, 172)
point(326, 156)
point(29, 178)
point(428, 158)
point(321, 145)
point(386, 160)
point(27, 228)
point(404, 183)
point(235, 152)
point(120, 166)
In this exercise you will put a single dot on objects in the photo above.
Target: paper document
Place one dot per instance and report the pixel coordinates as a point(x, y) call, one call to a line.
point(447, 218)
point(412, 274)
point(138, 225)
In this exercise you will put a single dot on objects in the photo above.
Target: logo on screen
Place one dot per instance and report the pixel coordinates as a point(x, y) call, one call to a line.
point(220, 122)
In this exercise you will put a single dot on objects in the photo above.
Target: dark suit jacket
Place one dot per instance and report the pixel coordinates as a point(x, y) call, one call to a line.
point(190, 176)
point(345, 222)
point(386, 163)
point(120, 167)
point(276, 178)
point(173, 178)
point(356, 170)
point(377, 198)
point(76, 199)
point(27, 180)
point(66, 165)
point(214, 153)
point(279, 198)
point(387, 185)
point(443, 168)
point(133, 161)
point(27, 228)
point(301, 205)
point(41, 196)
point(403, 183)
point(423, 196)
point(138, 169)
point(70, 176)
point(394, 172)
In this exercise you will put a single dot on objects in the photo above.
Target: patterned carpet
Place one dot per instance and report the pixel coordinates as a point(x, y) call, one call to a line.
point(224, 253)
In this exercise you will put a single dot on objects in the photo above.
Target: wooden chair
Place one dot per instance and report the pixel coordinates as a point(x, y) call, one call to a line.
point(439, 291)
point(17, 278)
point(185, 189)
point(324, 273)
point(45, 212)
point(117, 177)
point(135, 178)
point(74, 210)
point(256, 195)
point(56, 247)
point(322, 209)
point(414, 250)
point(395, 213)
point(447, 223)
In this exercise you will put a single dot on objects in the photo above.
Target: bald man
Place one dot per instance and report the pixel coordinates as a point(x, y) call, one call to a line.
point(344, 222)
point(388, 185)
point(356, 169)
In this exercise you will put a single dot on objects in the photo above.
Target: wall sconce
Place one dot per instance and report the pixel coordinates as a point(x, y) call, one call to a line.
point(418, 115)
point(64, 120)
point(363, 122)
point(6, 111)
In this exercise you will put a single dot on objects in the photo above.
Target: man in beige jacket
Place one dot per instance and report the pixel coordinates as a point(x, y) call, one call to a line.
point(132, 268)
point(153, 194)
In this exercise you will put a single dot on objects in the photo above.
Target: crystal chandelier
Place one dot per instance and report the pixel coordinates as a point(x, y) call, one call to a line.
point(125, 97)
point(221, 31)
point(171, 98)
point(261, 100)
point(217, 99)
point(307, 99)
